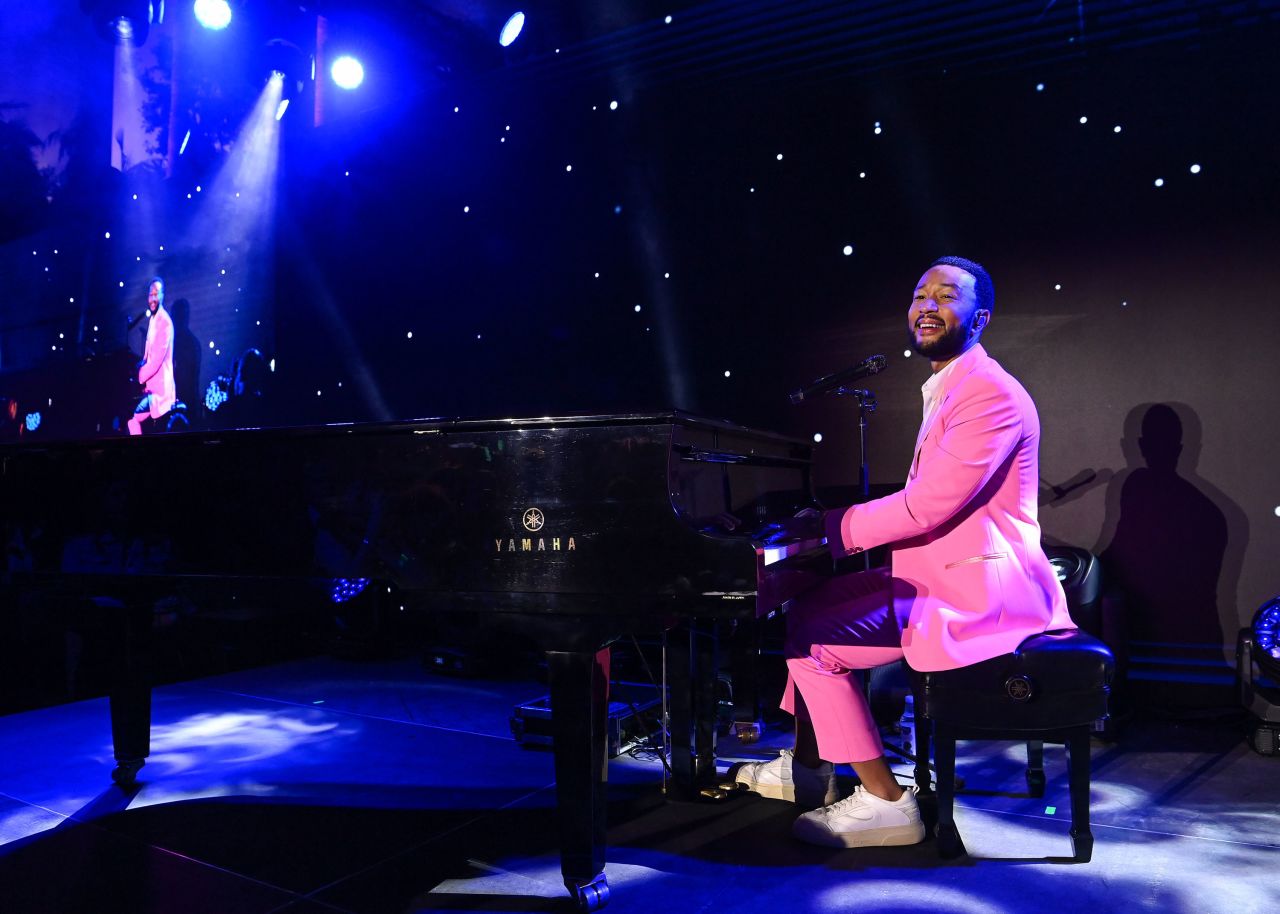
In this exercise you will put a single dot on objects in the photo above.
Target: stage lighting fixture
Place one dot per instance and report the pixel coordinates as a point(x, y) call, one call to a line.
point(121, 21)
point(347, 72)
point(1258, 652)
point(511, 29)
point(213, 14)
point(33, 421)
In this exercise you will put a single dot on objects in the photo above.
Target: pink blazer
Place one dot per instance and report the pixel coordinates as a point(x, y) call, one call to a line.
point(966, 540)
point(156, 372)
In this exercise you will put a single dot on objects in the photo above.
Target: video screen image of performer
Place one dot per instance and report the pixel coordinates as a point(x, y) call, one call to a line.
point(968, 579)
point(155, 373)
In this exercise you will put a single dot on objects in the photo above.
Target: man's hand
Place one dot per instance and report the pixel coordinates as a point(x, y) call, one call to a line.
point(807, 524)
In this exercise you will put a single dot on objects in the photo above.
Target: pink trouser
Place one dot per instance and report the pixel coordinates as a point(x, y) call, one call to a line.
point(849, 622)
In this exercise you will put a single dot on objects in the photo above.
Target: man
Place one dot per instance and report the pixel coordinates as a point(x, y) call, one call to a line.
point(155, 374)
point(968, 579)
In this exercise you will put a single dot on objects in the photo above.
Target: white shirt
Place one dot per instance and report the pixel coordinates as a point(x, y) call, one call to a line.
point(929, 391)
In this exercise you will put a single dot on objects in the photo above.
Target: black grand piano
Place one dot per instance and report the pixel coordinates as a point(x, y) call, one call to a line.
point(570, 530)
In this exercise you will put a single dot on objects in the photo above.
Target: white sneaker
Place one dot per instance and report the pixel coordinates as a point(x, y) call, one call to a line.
point(783, 779)
point(862, 819)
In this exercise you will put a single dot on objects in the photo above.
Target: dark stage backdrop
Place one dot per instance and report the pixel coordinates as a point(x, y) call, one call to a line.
point(604, 231)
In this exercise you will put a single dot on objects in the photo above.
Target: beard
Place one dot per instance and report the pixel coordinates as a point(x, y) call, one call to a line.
point(947, 345)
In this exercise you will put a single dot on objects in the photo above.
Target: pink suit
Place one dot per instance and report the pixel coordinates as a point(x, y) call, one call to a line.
point(155, 373)
point(969, 580)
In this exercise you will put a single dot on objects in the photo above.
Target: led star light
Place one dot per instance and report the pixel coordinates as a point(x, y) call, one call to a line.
point(347, 72)
point(511, 29)
point(213, 14)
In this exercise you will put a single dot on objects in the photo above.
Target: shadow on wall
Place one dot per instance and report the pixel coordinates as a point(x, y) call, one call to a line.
point(1172, 541)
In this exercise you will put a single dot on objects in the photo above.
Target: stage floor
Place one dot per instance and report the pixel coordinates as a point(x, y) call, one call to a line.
point(326, 785)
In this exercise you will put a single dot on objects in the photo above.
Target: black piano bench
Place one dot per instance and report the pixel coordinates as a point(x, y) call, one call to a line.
point(1051, 689)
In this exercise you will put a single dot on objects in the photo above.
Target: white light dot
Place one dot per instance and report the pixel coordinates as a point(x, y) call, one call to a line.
point(1195, 169)
point(1277, 510)
point(224, 272)
point(666, 275)
point(466, 209)
point(568, 168)
point(862, 174)
point(508, 127)
point(61, 336)
point(217, 352)
point(106, 235)
point(1057, 287)
point(257, 323)
point(210, 344)
point(138, 259)
point(199, 188)
point(317, 393)
point(779, 157)
point(55, 250)
point(1084, 120)
point(54, 347)
point(906, 353)
point(1124, 304)
point(848, 249)
point(727, 373)
point(95, 328)
point(162, 247)
point(477, 336)
point(1039, 87)
point(456, 109)
point(595, 107)
point(637, 309)
point(667, 20)
point(817, 437)
point(122, 283)
point(1116, 129)
point(597, 275)
point(339, 383)
point(72, 300)
point(188, 196)
point(878, 131)
point(502, 139)
point(1159, 182)
point(613, 106)
point(345, 174)
point(753, 190)
point(409, 335)
point(135, 196)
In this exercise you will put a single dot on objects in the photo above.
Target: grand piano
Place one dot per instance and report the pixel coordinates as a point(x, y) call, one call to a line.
point(570, 530)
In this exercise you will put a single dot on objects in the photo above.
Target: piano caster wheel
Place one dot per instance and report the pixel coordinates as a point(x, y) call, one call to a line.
point(591, 896)
point(748, 731)
point(126, 771)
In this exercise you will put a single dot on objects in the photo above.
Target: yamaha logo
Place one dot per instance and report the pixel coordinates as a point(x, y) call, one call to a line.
point(535, 521)
point(1018, 688)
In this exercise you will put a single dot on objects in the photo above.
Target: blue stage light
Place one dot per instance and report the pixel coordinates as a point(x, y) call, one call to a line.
point(1266, 634)
point(345, 589)
point(216, 394)
point(33, 421)
point(347, 72)
point(511, 29)
point(213, 14)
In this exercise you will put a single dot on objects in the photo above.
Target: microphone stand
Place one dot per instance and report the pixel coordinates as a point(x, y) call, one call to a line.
point(866, 406)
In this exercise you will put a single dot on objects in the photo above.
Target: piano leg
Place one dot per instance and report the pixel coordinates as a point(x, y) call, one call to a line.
point(579, 706)
point(130, 694)
point(692, 671)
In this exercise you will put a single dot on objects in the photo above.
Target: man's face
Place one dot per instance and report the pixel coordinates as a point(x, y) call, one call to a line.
point(155, 297)
point(944, 314)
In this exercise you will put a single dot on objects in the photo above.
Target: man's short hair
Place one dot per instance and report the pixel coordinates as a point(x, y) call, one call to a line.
point(154, 280)
point(983, 289)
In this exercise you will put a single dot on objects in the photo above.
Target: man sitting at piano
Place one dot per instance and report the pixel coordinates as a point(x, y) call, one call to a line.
point(968, 578)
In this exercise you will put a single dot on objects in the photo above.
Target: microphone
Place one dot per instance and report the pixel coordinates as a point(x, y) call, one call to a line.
point(869, 366)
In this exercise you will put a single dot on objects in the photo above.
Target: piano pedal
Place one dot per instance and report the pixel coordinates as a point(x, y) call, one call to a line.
point(747, 732)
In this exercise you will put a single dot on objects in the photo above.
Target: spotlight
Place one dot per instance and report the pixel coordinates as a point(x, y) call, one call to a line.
point(511, 29)
point(347, 72)
point(121, 21)
point(33, 421)
point(1258, 669)
point(213, 14)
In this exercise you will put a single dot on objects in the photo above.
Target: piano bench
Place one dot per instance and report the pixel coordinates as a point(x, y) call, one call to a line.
point(1053, 688)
